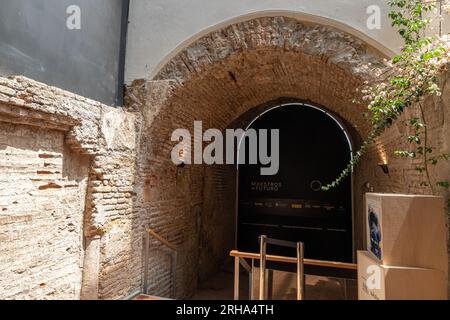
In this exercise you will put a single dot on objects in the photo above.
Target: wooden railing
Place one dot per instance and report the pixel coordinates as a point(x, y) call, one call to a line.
point(161, 239)
point(152, 233)
point(308, 262)
point(240, 261)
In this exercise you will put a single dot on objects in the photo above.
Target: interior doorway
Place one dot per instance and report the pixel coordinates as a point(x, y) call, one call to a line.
point(314, 148)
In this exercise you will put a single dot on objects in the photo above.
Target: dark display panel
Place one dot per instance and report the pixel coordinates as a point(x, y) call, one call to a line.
point(291, 205)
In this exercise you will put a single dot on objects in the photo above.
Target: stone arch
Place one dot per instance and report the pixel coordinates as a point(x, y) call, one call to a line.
point(279, 32)
point(216, 79)
point(295, 15)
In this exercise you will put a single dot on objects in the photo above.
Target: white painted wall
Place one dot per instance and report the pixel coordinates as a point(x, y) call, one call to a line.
point(159, 29)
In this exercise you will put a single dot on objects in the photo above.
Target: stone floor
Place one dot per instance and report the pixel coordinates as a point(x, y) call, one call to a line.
point(220, 287)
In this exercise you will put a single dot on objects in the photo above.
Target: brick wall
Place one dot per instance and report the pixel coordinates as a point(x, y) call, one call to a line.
point(93, 177)
point(402, 177)
point(216, 80)
point(66, 189)
point(42, 192)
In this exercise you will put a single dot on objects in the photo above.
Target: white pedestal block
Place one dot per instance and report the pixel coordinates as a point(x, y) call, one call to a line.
point(379, 282)
point(407, 230)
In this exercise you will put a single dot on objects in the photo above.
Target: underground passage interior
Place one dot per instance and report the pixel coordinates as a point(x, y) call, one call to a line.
point(314, 146)
point(206, 211)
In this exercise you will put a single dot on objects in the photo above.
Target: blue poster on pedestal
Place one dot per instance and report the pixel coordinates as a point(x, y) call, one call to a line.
point(374, 229)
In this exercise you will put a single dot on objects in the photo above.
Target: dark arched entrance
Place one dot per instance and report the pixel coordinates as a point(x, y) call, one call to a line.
point(314, 148)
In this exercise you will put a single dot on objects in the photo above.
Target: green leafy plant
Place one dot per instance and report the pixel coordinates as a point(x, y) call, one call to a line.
point(412, 75)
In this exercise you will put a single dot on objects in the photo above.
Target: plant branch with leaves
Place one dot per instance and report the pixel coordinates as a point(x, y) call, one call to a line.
point(412, 76)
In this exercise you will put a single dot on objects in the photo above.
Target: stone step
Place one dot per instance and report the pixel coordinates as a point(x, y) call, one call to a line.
point(148, 297)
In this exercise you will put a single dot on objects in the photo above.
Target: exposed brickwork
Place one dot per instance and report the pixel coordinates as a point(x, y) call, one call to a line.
point(87, 178)
point(217, 79)
point(403, 177)
point(67, 169)
point(42, 191)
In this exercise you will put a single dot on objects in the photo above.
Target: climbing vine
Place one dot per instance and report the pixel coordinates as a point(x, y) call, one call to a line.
point(412, 75)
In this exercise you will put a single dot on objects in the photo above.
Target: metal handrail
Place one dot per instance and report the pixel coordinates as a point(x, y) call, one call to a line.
point(150, 232)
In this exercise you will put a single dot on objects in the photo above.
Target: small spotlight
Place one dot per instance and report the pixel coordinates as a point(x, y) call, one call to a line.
point(384, 167)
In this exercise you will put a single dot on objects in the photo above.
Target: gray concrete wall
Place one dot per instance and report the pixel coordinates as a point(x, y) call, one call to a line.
point(35, 42)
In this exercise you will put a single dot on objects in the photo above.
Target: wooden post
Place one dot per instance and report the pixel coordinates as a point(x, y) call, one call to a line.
point(236, 278)
point(300, 271)
point(262, 267)
point(146, 244)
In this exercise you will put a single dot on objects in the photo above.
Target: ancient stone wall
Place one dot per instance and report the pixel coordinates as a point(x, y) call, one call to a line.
point(42, 195)
point(402, 177)
point(66, 188)
point(80, 181)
